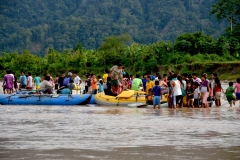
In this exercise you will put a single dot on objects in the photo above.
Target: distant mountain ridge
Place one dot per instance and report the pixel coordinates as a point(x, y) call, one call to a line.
point(42, 24)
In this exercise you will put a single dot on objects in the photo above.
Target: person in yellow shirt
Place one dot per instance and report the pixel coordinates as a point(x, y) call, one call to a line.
point(105, 76)
point(149, 84)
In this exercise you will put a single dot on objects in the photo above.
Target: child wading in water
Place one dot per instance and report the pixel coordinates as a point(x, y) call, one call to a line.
point(149, 97)
point(156, 91)
point(229, 94)
point(190, 93)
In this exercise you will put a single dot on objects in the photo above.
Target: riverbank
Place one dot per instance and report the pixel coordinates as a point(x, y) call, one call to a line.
point(227, 71)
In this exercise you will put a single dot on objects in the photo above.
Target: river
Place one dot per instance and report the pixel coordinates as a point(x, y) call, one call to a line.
point(73, 132)
point(98, 132)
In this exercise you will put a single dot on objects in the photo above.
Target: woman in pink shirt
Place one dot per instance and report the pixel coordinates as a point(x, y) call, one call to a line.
point(237, 89)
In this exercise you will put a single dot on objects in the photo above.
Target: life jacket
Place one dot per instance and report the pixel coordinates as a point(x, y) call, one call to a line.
point(66, 81)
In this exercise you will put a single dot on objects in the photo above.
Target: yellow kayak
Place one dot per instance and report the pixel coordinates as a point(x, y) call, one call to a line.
point(124, 98)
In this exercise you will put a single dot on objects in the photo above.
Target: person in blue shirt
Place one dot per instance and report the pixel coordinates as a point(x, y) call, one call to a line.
point(144, 81)
point(23, 80)
point(156, 91)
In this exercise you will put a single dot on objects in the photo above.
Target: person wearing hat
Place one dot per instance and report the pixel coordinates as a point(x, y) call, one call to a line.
point(67, 80)
point(116, 76)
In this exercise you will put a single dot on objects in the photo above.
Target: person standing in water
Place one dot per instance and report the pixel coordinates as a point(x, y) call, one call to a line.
point(229, 94)
point(237, 90)
point(176, 91)
point(204, 88)
point(156, 91)
point(217, 92)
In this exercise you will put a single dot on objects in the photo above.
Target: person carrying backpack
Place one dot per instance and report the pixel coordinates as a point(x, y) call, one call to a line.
point(67, 80)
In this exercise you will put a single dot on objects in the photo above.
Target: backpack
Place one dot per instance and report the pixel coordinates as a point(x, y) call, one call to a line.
point(66, 81)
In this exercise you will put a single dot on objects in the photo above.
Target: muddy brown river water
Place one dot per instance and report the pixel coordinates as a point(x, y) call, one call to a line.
point(88, 132)
point(94, 132)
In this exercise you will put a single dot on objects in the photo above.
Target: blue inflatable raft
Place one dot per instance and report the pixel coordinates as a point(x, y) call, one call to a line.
point(45, 99)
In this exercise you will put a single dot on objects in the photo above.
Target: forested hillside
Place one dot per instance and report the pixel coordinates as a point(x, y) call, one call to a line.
point(42, 24)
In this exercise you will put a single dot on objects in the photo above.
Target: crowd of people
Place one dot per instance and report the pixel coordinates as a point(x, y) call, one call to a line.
point(183, 90)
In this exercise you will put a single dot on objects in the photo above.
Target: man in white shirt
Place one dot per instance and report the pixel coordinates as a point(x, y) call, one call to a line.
point(196, 79)
point(29, 81)
point(45, 86)
point(77, 79)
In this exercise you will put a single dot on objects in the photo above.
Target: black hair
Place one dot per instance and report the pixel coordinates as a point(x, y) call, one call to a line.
point(23, 72)
point(62, 72)
point(149, 90)
point(217, 81)
point(29, 73)
point(13, 73)
point(75, 73)
point(164, 75)
point(149, 77)
point(238, 80)
point(98, 77)
point(174, 76)
point(109, 79)
point(204, 76)
point(37, 74)
point(214, 74)
point(8, 72)
point(57, 75)
point(156, 83)
point(120, 65)
point(180, 79)
point(137, 76)
point(230, 83)
point(47, 78)
point(101, 82)
point(194, 74)
point(194, 83)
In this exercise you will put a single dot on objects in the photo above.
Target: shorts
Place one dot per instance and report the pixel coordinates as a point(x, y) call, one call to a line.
point(218, 95)
point(238, 95)
point(8, 88)
point(114, 82)
point(196, 102)
point(22, 86)
point(37, 87)
point(177, 99)
point(94, 91)
point(156, 100)
point(205, 97)
point(230, 99)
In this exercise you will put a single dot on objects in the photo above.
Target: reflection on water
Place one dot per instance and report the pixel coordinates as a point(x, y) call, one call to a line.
point(99, 131)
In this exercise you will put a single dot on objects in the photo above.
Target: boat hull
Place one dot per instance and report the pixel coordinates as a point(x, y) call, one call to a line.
point(105, 100)
point(45, 99)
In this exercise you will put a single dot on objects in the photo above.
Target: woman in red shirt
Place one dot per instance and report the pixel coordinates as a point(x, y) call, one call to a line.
point(217, 92)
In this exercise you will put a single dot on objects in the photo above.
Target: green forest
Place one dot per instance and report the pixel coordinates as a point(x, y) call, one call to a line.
point(60, 24)
point(188, 52)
